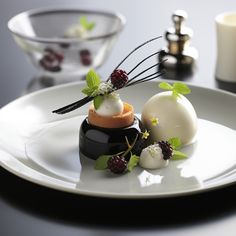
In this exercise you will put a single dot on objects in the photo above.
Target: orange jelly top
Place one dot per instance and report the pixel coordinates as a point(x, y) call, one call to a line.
point(125, 119)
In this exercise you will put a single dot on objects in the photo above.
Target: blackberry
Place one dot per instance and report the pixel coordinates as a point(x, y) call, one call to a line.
point(53, 54)
point(117, 164)
point(49, 66)
point(85, 57)
point(51, 60)
point(119, 78)
point(166, 148)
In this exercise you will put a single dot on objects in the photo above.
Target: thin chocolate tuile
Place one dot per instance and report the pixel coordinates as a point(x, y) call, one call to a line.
point(142, 72)
point(131, 82)
point(146, 79)
point(73, 106)
point(141, 45)
point(153, 54)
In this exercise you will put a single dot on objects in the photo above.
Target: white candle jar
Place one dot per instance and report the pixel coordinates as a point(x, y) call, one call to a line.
point(226, 46)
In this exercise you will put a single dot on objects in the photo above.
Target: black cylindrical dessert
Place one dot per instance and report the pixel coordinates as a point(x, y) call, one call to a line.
point(96, 141)
point(110, 135)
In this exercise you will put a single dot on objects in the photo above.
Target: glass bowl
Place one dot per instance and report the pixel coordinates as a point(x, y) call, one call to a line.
point(63, 42)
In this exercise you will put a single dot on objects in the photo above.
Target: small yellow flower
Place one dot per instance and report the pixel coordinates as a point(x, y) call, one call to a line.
point(154, 121)
point(145, 134)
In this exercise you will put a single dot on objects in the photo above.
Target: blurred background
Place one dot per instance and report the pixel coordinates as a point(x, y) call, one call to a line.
point(145, 19)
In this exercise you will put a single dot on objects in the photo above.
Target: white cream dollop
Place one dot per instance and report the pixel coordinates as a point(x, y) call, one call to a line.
point(76, 31)
point(176, 117)
point(111, 105)
point(151, 157)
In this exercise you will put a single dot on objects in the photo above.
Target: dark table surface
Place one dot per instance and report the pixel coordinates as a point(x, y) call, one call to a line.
point(28, 209)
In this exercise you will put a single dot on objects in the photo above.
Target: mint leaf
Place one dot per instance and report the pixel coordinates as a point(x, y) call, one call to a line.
point(177, 155)
point(88, 91)
point(175, 94)
point(175, 143)
point(97, 101)
point(133, 161)
point(92, 79)
point(181, 88)
point(84, 23)
point(165, 86)
point(101, 162)
point(177, 88)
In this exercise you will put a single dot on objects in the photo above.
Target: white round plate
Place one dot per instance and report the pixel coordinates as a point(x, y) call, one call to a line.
point(42, 147)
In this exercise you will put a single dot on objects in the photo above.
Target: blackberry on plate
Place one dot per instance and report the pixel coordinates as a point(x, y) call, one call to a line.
point(117, 164)
point(166, 148)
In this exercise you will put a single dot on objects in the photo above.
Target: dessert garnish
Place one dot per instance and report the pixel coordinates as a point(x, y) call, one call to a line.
point(154, 156)
point(177, 88)
point(117, 80)
point(154, 121)
point(120, 162)
point(85, 24)
point(112, 134)
point(158, 154)
point(145, 134)
point(80, 30)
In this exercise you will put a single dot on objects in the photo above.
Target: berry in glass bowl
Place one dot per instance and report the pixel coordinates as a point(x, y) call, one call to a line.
point(66, 41)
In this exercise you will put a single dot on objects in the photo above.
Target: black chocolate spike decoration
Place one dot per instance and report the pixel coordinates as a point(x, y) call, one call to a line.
point(133, 81)
point(73, 106)
point(141, 45)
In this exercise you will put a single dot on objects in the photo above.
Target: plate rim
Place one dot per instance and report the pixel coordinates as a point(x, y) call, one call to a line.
point(228, 182)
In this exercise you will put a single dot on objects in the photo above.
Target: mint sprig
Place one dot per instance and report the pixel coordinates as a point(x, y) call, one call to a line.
point(97, 101)
point(176, 144)
point(177, 155)
point(93, 81)
point(133, 161)
point(85, 24)
point(96, 89)
point(177, 88)
point(101, 162)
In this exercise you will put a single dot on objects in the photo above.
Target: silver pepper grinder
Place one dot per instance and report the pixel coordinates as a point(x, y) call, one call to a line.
point(178, 55)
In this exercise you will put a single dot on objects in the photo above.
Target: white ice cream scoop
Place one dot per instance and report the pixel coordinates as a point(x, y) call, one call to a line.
point(112, 105)
point(151, 157)
point(76, 31)
point(176, 117)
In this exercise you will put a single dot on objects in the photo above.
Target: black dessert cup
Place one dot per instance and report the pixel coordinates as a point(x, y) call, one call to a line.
point(96, 141)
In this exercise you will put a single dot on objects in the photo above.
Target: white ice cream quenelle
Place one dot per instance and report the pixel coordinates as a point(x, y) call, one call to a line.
point(111, 105)
point(151, 157)
point(76, 31)
point(176, 117)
